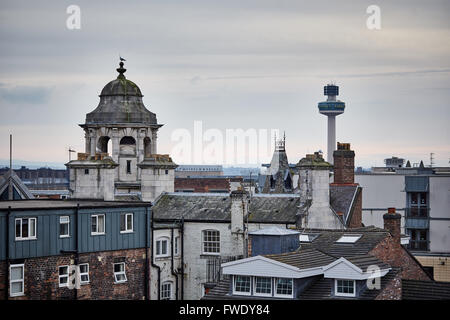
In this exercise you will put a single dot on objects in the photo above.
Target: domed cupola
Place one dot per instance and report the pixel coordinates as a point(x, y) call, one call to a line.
point(121, 103)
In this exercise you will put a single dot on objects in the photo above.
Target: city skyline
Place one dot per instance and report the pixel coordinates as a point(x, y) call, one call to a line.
point(257, 65)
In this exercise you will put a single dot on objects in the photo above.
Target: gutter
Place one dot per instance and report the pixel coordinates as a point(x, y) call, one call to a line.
point(182, 258)
point(7, 254)
point(154, 265)
point(146, 269)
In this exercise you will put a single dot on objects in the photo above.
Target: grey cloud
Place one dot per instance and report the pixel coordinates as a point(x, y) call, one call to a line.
point(25, 94)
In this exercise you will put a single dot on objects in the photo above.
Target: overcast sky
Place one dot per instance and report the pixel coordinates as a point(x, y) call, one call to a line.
point(232, 64)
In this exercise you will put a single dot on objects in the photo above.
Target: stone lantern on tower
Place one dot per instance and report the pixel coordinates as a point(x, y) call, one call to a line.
point(120, 161)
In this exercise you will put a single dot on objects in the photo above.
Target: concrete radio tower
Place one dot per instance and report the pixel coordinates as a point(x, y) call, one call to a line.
point(331, 108)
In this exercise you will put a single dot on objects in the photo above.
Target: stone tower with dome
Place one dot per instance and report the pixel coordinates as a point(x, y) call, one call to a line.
point(120, 161)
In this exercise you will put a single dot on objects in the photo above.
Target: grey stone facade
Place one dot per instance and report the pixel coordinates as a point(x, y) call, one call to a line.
point(130, 167)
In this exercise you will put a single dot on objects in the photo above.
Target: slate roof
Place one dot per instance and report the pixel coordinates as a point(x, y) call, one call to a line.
point(341, 198)
point(425, 290)
point(326, 241)
point(266, 208)
point(216, 207)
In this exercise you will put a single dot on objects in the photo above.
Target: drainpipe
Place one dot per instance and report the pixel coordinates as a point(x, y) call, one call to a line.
point(7, 254)
point(171, 266)
point(182, 258)
point(77, 255)
point(154, 265)
point(146, 286)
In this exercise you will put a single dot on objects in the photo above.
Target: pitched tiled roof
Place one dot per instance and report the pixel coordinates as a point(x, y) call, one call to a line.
point(303, 259)
point(365, 261)
point(326, 241)
point(425, 290)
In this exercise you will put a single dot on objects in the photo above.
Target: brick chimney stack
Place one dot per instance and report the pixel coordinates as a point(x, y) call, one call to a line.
point(344, 164)
point(392, 223)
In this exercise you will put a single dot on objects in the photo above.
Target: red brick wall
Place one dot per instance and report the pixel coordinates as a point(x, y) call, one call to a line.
point(393, 290)
point(344, 166)
point(202, 184)
point(2, 279)
point(393, 253)
point(356, 219)
point(42, 281)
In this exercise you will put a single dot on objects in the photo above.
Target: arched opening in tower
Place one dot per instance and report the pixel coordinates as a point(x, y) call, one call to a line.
point(104, 144)
point(147, 147)
point(128, 145)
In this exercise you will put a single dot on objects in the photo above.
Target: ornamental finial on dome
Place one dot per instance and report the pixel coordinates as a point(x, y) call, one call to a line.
point(121, 70)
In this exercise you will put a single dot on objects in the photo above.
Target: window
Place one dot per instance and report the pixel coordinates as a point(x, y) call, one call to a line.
point(119, 272)
point(98, 224)
point(241, 285)
point(63, 276)
point(126, 222)
point(419, 239)
point(86, 171)
point(166, 290)
point(84, 273)
point(344, 288)
point(64, 226)
point(167, 171)
point(128, 166)
point(25, 228)
point(263, 286)
point(177, 246)
point(418, 204)
point(283, 287)
point(211, 242)
point(349, 238)
point(308, 237)
point(162, 245)
point(16, 283)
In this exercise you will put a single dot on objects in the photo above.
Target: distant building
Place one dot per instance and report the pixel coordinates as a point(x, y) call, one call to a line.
point(208, 184)
point(186, 171)
point(421, 195)
point(279, 175)
point(12, 187)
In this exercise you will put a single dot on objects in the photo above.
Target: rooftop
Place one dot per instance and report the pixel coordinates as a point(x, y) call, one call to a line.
point(36, 204)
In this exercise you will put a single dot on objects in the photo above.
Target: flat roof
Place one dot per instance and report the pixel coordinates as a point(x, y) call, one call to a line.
point(66, 203)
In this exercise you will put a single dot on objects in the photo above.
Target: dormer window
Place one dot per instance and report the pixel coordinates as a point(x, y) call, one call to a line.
point(344, 288)
point(349, 238)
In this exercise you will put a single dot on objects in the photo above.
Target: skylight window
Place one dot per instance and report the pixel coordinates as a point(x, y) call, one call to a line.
point(349, 238)
point(308, 237)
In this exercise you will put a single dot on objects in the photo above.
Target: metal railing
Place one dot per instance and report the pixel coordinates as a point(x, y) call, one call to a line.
point(214, 270)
